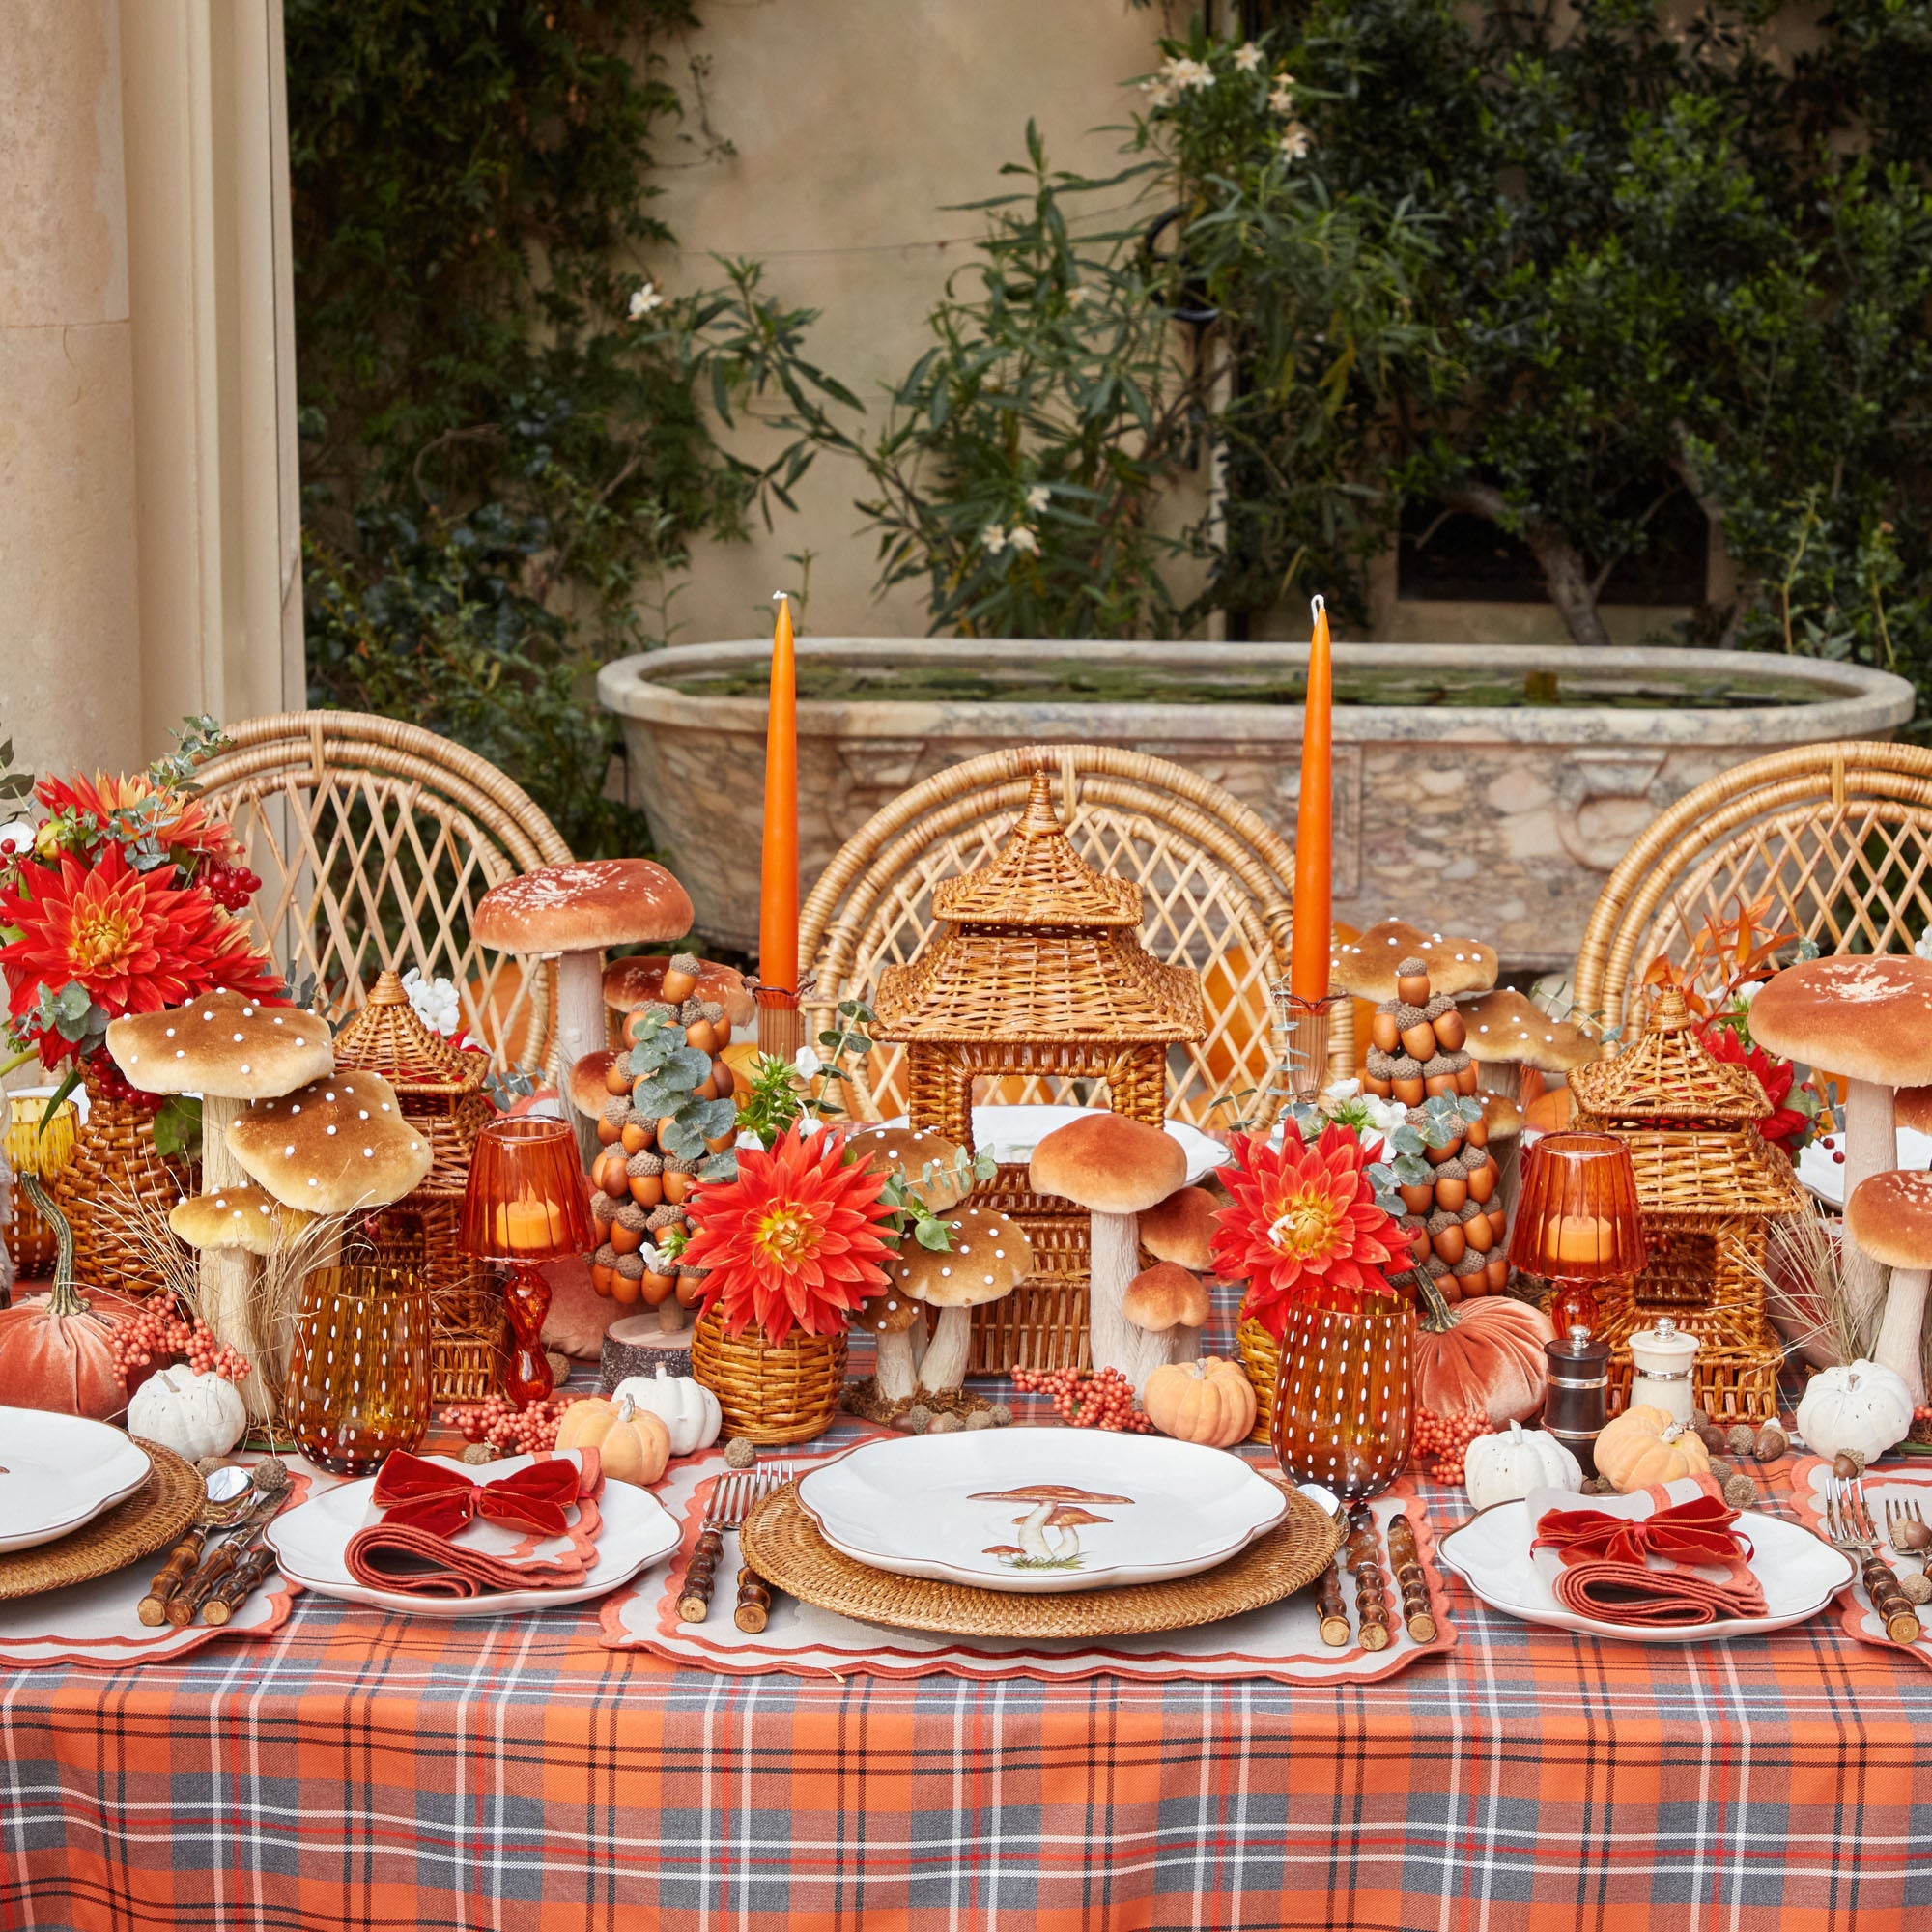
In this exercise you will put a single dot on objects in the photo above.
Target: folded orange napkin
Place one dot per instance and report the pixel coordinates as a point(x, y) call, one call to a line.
point(1666, 1555)
point(439, 1533)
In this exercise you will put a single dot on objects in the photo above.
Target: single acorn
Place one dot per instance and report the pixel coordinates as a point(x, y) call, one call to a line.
point(1739, 1491)
point(1740, 1438)
point(1451, 1029)
point(1772, 1442)
point(617, 1076)
point(680, 979)
point(643, 1177)
point(627, 1280)
point(1498, 1272)
point(1384, 1030)
point(1412, 981)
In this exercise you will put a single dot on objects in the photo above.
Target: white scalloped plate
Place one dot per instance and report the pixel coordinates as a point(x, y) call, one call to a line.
point(59, 1472)
point(1040, 1511)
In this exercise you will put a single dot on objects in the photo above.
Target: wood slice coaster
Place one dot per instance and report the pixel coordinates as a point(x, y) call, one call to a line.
point(637, 1346)
point(782, 1545)
point(154, 1516)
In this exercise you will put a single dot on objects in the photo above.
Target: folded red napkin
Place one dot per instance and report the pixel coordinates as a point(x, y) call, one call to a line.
point(1667, 1554)
point(441, 1534)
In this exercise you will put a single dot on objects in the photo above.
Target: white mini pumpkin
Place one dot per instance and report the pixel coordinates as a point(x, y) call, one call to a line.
point(195, 1415)
point(1503, 1467)
point(1863, 1408)
point(686, 1407)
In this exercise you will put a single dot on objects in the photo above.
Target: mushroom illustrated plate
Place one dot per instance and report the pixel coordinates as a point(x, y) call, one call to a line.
point(1798, 1573)
point(1040, 1511)
point(58, 1472)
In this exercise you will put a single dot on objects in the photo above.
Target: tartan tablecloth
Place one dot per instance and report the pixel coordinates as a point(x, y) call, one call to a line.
point(356, 1770)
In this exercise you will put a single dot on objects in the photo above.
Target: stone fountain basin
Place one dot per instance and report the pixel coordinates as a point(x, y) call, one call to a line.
point(1486, 790)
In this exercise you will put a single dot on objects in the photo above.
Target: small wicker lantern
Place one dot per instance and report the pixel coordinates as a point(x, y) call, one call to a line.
point(1708, 1187)
point(442, 1092)
point(1036, 969)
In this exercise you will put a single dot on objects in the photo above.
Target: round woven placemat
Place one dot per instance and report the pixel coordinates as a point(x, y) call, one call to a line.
point(150, 1520)
point(784, 1546)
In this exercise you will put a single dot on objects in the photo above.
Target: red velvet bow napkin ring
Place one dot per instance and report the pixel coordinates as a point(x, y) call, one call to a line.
point(1695, 1532)
point(424, 1496)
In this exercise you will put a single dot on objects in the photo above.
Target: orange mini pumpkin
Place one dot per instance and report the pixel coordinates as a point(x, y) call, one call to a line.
point(631, 1444)
point(1209, 1401)
point(1645, 1445)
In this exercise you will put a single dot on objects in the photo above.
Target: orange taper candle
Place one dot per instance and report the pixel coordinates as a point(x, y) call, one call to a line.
point(1308, 971)
point(777, 895)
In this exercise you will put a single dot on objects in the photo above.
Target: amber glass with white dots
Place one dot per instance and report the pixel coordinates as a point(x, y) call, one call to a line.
point(359, 1372)
point(1342, 1398)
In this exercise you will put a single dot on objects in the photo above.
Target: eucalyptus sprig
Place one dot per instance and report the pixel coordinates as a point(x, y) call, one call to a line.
point(666, 1073)
point(914, 1220)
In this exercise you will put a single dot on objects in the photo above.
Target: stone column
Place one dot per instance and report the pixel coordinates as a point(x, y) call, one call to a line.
point(69, 636)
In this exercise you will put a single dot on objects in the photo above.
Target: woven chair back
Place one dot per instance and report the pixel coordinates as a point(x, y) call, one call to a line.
point(1838, 836)
point(1212, 875)
point(374, 839)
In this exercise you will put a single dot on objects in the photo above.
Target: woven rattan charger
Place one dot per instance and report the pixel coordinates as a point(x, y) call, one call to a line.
point(150, 1520)
point(782, 1544)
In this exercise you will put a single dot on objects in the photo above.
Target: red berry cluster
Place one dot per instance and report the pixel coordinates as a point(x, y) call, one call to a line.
point(508, 1429)
point(1101, 1398)
point(230, 887)
point(113, 1085)
point(158, 1327)
point(1446, 1438)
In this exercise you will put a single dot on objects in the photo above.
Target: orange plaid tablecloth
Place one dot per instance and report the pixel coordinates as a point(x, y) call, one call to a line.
point(357, 1770)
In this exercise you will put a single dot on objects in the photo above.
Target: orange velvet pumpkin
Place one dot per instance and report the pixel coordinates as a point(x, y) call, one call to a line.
point(53, 1353)
point(1485, 1354)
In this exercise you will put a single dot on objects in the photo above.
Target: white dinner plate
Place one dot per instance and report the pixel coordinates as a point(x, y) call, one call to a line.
point(1825, 1177)
point(1040, 1511)
point(311, 1542)
point(1797, 1573)
point(58, 1472)
point(1011, 1133)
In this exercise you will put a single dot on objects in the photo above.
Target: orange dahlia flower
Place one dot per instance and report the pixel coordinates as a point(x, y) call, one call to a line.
point(1301, 1220)
point(174, 820)
point(794, 1240)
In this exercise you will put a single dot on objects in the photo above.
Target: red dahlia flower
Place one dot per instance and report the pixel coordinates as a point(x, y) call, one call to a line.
point(1784, 1126)
point(793, 1241)
point(1302, 1220)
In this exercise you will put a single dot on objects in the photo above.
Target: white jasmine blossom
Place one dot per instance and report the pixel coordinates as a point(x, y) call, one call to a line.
point(643, 298)
point(1077, 293)
point(1176, 77)
point(1248, 57)
point(1295, 141)
point(807, 1064)
point(1281, 95)
point(994, 537)
point(1038, 498)
point(1022, 538)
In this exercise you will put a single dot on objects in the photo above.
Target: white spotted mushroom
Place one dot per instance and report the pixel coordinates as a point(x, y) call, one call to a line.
point(232, 1051)
point(334, 1146)
point(1507, 1030)
point(572, 913)
point(1366, 967)
point(988, 1257)
point(889, 1319)
point(249, 1218)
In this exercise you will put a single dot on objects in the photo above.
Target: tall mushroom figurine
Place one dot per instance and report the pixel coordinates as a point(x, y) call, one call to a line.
point(1505, 1030)
point(1170, 1303)
point(1890, 1219)
point(937, 1173)
point(572, 913)
point(1116, 1169)
point(988, 1259)
point(248, 1225)
point(1867, 1018)
point(889, 1319)
point(231, 1050)
point(334, 1146)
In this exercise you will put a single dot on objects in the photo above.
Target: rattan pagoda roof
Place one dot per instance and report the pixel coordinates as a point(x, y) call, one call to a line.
point(1038, 879)
point(1667, 1073)
point(1701, 1180)
point(977, 982)
point(387, 1037)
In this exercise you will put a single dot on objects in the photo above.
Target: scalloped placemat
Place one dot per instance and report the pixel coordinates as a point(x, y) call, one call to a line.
point(782, 1543)
point(152, 1518)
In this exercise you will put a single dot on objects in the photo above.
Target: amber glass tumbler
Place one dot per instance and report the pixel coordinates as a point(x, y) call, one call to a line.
point(1342, 1395)
point(358, 1369)
point(1576, 1221)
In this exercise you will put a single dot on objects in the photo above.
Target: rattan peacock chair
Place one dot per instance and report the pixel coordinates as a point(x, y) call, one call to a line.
point(1838, 836)
point(374, 839)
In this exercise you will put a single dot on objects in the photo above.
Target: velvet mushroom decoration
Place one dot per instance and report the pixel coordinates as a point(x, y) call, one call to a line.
point(935, 1172)
point(988, 1257)
point(1115, 1168)
point(1890, 1219)
point(1867, 1018)
point(572, 913)
point(233, 1051)
point(1169, 1303)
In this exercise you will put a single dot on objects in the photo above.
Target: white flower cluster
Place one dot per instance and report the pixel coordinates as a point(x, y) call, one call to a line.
point(1384, 1116)
point(435, 1001)
point(643, 298)
point(1248, 58)
point(1177, 76)
point(1021, 537)
point(1923, 949)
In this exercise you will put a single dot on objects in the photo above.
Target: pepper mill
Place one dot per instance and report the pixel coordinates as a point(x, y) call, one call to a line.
point(1665, 1357)
point(1578, 1403)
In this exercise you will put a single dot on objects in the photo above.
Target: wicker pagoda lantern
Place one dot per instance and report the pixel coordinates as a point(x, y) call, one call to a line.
point(1036, 970)
point(441, 1090)
point(1709, 1186)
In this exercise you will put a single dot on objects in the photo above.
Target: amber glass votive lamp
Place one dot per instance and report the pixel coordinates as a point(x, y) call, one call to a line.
point(527, 1202)
point(1576, 1221)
